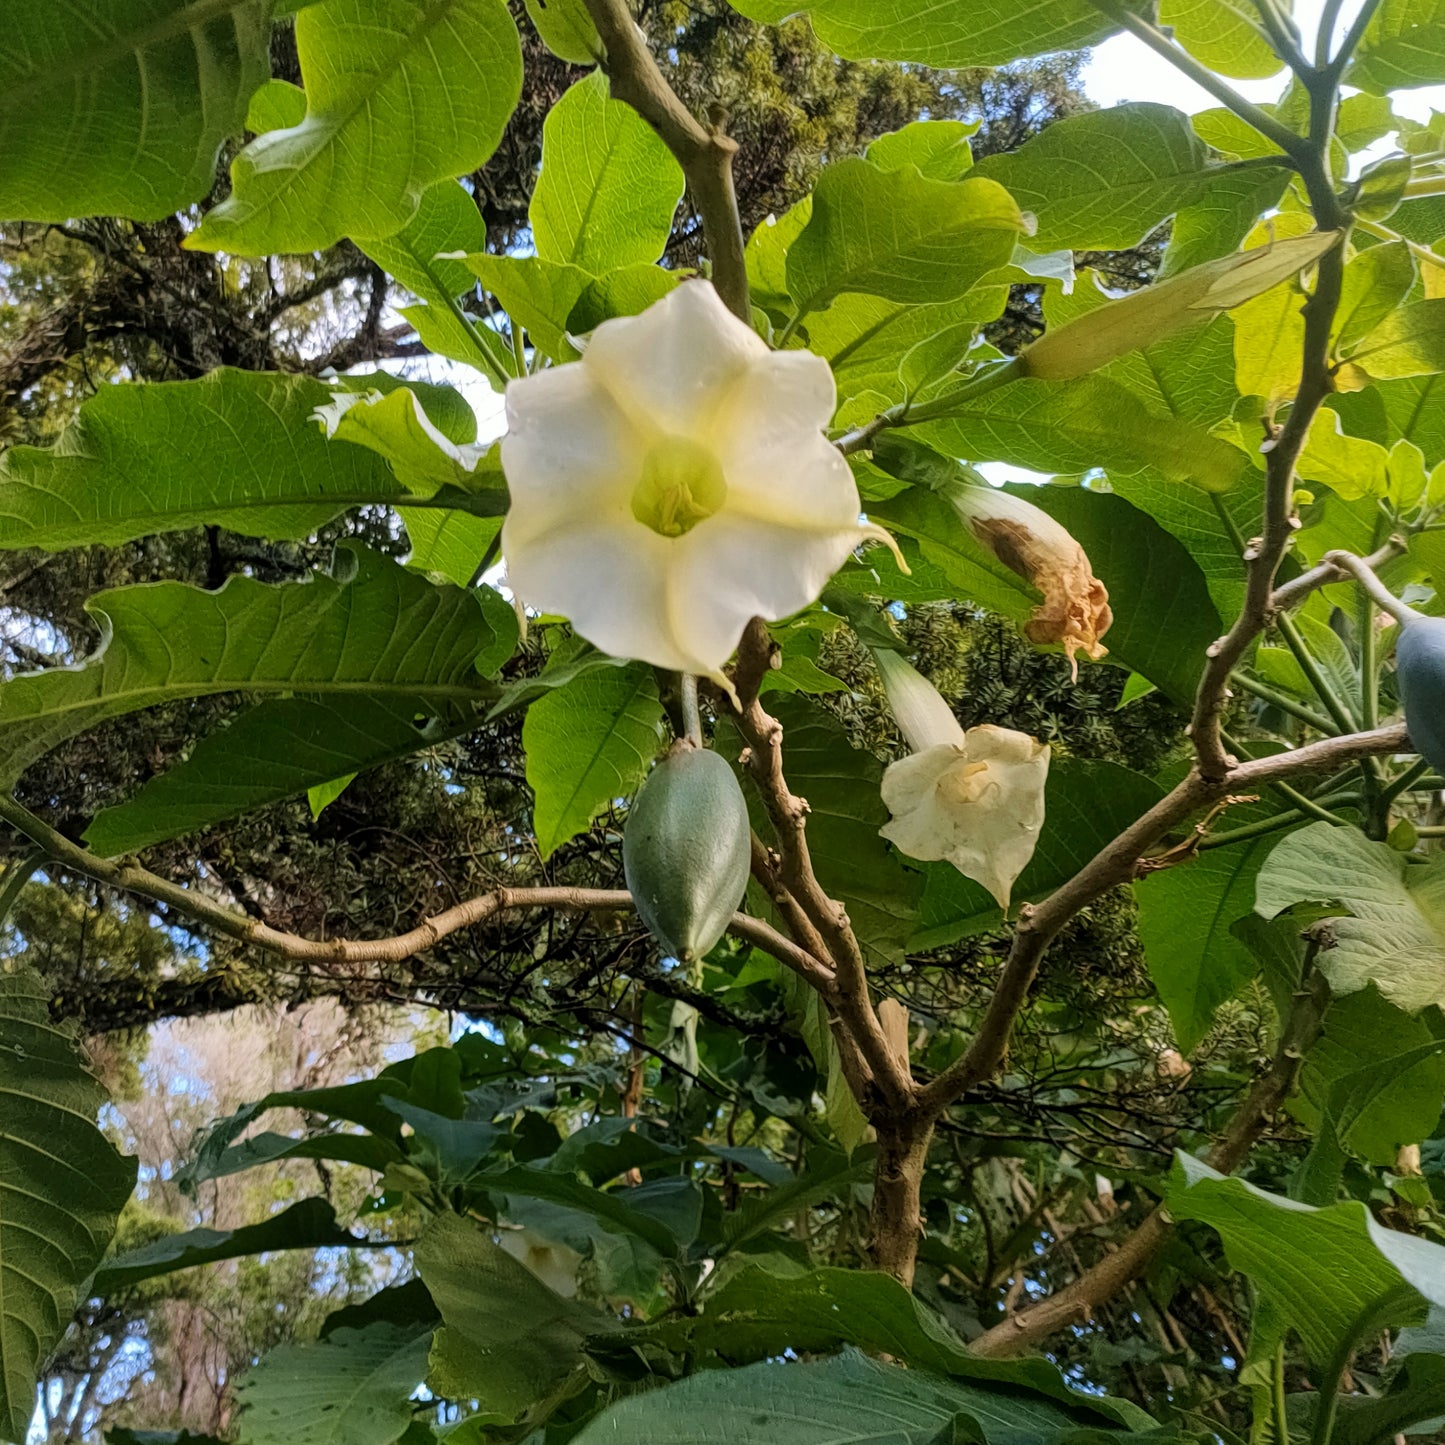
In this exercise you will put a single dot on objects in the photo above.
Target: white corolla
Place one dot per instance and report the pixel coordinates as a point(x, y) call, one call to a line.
point(974, 798)
point(675, 483)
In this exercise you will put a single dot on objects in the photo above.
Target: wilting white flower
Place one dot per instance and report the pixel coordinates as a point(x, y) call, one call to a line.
point(675, 483)
point(1075, 610)
point(975, 798)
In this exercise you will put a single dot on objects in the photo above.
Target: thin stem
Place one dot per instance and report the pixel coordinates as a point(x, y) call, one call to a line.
point(1274, 824)
point(1281, 1413)
point(1285, 703)
point(1292, 145)
point(1353, 36)
point(488, 361)
point(1329, 18)
point(705, 153)
point(1406, 781)
point(1306, 804)
point(1361, 571)
point(1281, 40)
point(691, 714)
point(1335, 705)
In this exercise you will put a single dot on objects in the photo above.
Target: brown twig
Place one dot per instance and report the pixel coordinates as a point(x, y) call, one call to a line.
point(1076, 1302)
point(131, 877)
point(705, 153)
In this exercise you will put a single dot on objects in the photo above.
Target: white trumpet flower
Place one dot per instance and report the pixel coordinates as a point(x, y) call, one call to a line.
point(675, 483)
point(974, 798)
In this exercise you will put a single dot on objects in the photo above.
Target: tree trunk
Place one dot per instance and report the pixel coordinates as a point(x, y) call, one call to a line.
point(897, 1182)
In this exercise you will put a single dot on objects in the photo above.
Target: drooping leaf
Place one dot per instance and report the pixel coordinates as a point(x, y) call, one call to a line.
point(1224, 35)
point(309, 1224)
point(1085, 806)
point(898, 235)
point(382, 631)
point(1199, 964)
point(352, 1388)
point(1390, 933)
point(279, 749)
point(401, 94)
point(608, 187)
point(447, 220)
point(483, 1294)
point(122, 109)
point(589, 744)
point(992, 32)
point(1363, 1040)
point(129, 465)
point(62, 1185)
point(1104, 180)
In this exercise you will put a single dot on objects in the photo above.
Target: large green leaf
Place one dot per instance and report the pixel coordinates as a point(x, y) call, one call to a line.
point(121, 109)
point(898, 235)
point(507, 1340)
point(400, 94)
point(847, 1400)
point(1104, 180)
point(1198, 965)
point(588, 744)
point(352, 1388)
point(954, 33)
point(1073, 426)
point(608, 187)
point(852, 862)
point(130, 466)
point(62, 1184)
point(309, 1224)
point(1331, 1275)
point(1364, 1037)
point(1392, 933)
point(761, 1312)
point(279, 749)
point(380, 631)
point(1086, 805)
point(1403, 46)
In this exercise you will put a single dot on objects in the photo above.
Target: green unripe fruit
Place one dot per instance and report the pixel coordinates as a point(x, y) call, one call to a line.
point(685, 851)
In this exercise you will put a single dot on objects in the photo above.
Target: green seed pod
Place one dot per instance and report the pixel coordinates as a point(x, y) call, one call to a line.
point(685, 851)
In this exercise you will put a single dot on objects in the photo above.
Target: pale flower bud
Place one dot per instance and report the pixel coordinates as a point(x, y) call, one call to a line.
point(1075, 610)
point(974, 798)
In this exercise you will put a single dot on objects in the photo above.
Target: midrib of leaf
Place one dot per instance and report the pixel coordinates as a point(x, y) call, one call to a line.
point(579, 243)
point(333, 122)
point(168, 27)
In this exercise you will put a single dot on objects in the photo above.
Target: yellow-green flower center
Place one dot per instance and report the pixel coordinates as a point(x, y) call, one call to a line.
point(682, 484)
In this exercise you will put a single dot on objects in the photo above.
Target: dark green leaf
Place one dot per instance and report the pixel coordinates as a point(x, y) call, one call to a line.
point(384, 631)
point(310, 1224)
point(62, 1184)
point(122, 109)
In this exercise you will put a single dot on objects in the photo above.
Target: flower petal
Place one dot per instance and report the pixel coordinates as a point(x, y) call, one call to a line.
point(568, 451)
point(671, 367)
point(735, 568)
point(980, 806)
